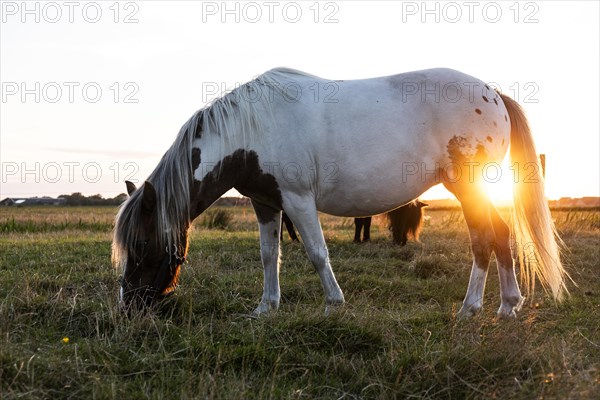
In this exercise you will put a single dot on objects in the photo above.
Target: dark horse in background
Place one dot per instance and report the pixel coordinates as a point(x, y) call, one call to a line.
point(404, 222)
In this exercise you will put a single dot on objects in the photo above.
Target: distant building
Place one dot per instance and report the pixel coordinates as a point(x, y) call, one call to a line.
point(564, 202)
point(11, 202)
point(588, 202)
point(582, 202)
point(34, 201)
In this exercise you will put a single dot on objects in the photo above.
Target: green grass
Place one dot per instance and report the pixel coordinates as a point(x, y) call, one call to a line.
point(53, 219)
point(397, 336)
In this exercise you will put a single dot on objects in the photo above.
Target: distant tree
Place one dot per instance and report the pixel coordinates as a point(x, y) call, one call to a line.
point(119, 199)
point(95, 200)
point(74, 199)
point(78, 199)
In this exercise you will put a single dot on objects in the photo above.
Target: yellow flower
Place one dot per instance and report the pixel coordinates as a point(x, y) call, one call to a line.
point(65, 340)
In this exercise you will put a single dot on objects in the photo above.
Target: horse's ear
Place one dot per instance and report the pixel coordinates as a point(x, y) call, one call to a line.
point(148, 198)
point(130, 187)
point(421, 204)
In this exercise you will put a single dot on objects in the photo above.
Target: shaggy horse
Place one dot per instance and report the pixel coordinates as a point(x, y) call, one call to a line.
point(407, 221)
point(365, 148)
point(403, 222)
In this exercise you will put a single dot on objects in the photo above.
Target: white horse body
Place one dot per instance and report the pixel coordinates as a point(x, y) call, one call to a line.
point(301, 144)
point(370, 135)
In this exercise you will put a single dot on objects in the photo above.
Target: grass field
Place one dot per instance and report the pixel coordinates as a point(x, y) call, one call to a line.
point(61, 335)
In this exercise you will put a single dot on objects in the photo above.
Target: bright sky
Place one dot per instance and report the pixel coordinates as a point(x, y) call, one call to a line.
point(95, 92)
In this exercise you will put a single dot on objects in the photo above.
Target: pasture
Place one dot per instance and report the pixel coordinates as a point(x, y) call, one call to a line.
point(62, 336)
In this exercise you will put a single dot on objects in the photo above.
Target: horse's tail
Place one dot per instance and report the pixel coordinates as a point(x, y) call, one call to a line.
point(418, 218)
point(538, 243)
point(415, 221)
point(397, 224)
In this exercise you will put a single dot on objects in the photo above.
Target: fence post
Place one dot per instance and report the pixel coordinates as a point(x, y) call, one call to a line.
point(543, 163)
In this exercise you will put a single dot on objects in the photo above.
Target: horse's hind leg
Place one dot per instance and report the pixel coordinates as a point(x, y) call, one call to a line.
point(303, 213)
point(511, 299)
point(269, 225)
point(367, 229)
point(476, 209)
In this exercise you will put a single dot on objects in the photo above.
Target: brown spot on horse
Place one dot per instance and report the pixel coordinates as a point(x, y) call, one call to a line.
point(195, 158)
point(456, 147)
point(240, 170)
point(481, 154)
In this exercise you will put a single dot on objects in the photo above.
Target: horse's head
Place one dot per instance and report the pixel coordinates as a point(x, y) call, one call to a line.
point(419, 204)
point(149, 257)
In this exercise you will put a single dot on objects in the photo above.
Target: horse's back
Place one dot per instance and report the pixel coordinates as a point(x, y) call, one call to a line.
point(370, 135)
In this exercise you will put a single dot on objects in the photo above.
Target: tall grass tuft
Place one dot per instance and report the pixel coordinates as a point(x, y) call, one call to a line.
point(216, 219)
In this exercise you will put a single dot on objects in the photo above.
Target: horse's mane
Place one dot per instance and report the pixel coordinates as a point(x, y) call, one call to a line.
point(171, 178)
point(237, 116)
point(248, 104)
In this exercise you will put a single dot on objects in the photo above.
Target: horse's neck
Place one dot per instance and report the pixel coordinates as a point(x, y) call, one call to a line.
point(224, 158)
point(215, 180)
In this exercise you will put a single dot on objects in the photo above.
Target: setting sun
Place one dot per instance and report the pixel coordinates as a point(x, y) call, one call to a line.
point(498, 183)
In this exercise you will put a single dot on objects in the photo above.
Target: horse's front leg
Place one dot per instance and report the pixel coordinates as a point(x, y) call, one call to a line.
point(269, 225)
point(303, 213)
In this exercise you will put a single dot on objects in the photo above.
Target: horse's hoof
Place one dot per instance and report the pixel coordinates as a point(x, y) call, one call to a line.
point(264, 309)
point(509, 311)
point(467, 312)
point(502, 314)
point(333, 308)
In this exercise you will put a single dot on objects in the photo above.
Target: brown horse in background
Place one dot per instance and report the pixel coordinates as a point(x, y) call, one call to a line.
point(404, 223)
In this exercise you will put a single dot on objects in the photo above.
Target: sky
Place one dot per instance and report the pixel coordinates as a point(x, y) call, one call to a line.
point(93, 93)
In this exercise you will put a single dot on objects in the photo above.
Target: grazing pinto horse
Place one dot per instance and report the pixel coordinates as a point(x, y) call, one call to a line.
point(373, 145)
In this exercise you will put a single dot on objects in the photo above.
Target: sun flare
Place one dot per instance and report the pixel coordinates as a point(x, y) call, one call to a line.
point(498, 183)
